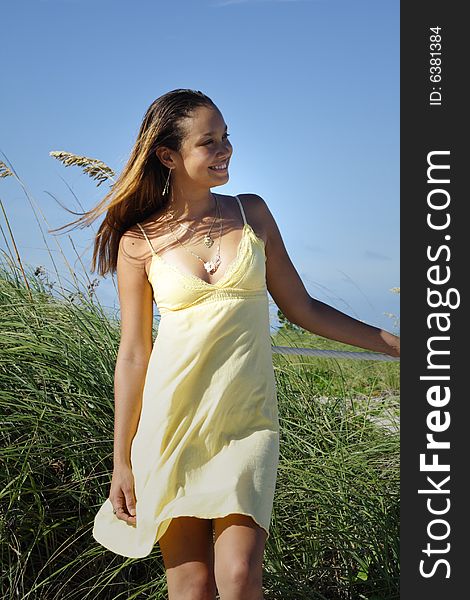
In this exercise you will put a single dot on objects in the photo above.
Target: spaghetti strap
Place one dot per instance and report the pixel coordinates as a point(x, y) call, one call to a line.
point(148, 241)
point(241, 209)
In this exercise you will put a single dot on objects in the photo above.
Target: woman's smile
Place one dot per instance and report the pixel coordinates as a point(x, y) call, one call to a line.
point(222, 168)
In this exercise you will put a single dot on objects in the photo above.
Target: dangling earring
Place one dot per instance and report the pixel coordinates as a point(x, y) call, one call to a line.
point(165, 189)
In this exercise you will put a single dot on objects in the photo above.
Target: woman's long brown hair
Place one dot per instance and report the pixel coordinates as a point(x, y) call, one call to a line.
point(137, 193)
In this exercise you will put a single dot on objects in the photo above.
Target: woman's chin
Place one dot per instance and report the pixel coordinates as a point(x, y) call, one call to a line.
point(219, 180)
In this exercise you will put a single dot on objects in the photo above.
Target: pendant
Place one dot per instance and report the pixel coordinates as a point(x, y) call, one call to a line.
point(211, 267)
point(208, 241)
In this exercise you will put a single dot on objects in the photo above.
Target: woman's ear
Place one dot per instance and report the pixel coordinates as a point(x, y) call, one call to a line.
point(164, 156)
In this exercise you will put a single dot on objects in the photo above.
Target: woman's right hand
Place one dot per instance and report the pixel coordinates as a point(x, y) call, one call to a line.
point(122, 494)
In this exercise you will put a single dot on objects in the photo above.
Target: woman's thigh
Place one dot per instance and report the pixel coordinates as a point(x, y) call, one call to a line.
point(188, 555)
point(239, 544)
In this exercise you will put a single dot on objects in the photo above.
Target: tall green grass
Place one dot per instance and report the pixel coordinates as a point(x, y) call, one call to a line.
point(335, 525)
point(336, 518)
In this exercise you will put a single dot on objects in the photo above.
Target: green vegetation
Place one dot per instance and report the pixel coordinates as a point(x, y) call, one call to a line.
point(335, 526)
point(336, 512)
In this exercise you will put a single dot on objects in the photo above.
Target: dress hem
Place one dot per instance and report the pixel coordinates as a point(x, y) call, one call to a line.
point(169, 518)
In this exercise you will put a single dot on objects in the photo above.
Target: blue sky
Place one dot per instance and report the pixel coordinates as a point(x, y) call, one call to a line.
point(308, 88)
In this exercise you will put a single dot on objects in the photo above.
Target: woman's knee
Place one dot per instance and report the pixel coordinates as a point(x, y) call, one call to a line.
point(240, 573)
point(191, 582)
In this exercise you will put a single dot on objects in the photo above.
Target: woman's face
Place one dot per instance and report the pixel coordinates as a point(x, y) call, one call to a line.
point(205, 146)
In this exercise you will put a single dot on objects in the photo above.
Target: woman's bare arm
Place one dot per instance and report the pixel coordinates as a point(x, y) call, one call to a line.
point(289, 294)
point(136, 303)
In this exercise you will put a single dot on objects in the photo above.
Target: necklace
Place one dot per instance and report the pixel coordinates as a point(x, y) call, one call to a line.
point(210, 266)
point(208, 240)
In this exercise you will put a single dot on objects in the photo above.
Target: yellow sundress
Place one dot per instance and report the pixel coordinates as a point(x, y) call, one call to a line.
point(207, 442)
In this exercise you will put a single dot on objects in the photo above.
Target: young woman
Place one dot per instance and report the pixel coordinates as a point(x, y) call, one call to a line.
point(196, 436)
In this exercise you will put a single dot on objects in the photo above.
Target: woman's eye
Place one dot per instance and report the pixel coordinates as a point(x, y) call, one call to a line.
point(210, 141)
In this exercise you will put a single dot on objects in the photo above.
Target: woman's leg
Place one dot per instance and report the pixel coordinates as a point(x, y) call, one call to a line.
point(188, 555)
point(239, 548)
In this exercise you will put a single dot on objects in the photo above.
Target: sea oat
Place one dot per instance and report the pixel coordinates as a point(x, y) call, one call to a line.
point(93, 167)
point(4, 170)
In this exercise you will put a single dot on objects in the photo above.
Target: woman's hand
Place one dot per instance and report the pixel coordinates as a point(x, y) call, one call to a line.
point(393, 344)
point(122, 494)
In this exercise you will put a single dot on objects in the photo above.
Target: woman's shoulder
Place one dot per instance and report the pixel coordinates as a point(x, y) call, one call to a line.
point(137, 243)
point(256, 213)
point(250, 202)
point(253, 202)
